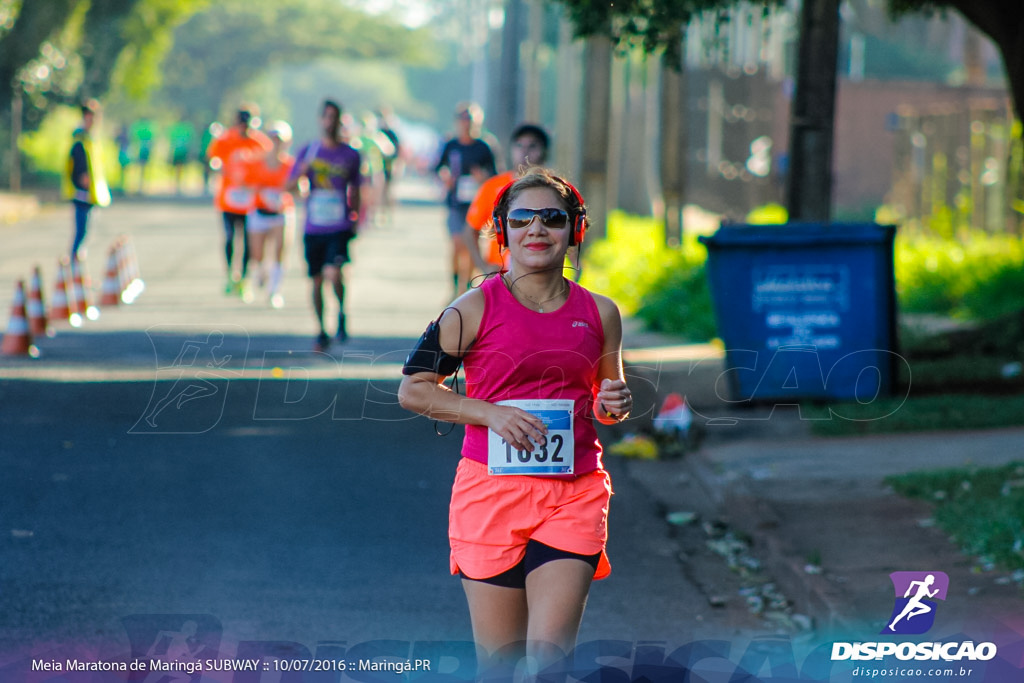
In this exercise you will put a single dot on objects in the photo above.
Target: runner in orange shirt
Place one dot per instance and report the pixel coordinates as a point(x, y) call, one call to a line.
point(273, 216)
point(230, 154)
point(529, 148)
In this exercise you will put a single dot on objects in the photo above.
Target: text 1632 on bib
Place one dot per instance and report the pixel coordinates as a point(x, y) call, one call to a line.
point(554, 456)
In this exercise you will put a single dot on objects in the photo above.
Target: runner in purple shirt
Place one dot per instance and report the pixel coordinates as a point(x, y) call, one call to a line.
point(331, 172)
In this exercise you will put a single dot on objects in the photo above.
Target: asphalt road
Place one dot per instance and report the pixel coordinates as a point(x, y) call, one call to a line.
point(188, 458)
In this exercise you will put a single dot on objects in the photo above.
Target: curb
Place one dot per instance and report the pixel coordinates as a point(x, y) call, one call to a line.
point(810, 594)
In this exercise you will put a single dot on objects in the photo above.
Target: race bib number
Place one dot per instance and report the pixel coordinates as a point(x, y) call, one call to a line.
point(466, 188)
point(239, 197)
point(326, 207)
point(555, 456)
point(271, 199)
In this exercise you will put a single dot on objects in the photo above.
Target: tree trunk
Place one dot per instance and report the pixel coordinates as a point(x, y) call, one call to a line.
point(673, 152)
point(567, 153)
point(597, 73)
point(810, 166)
point(532, 71)
point(504, 119)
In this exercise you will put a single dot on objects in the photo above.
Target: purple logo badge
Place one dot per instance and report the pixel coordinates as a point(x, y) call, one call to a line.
point(914, 609)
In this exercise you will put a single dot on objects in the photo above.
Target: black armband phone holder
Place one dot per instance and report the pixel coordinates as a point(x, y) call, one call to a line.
point(428, 356)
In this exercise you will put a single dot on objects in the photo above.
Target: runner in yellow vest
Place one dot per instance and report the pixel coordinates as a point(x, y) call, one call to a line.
point(84, 183)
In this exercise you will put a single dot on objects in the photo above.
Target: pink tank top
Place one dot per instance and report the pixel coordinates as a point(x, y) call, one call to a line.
point(522, 354)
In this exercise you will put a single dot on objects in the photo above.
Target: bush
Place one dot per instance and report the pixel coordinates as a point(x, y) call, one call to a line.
point(978, 278)
point(679, 301)
point(665, 287)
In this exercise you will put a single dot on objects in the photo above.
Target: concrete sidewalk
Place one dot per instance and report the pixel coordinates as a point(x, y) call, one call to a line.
point(815, 510)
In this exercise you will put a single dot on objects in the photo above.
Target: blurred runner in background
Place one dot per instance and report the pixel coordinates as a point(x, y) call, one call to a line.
point(211, 133)
point(466, 162)
point(374, 148)
point(271, 223)
point(143, 133)
point(180, 136)
point(529, 148)
point(329, 169)
point(230, 154)
point(393, 164)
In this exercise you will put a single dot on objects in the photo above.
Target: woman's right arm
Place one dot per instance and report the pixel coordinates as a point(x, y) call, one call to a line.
point(425, 393)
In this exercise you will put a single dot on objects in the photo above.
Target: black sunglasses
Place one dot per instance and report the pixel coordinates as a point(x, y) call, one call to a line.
point(555, 219)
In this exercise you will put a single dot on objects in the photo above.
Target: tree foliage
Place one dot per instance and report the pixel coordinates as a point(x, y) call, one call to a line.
point(656, 25)
point(59, 51)
point(188, 54)
point(128, 41)
point(222, 49)
point(23, 32)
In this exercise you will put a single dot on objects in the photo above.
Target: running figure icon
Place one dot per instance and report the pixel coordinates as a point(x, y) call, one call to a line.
point(179, 651)
point(915, 606)
point(195, 386)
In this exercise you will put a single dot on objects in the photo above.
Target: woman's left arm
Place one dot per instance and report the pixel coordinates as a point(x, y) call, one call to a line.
point(612, 398)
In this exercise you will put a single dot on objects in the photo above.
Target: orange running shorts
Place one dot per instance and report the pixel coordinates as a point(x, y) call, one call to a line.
point(492, 517)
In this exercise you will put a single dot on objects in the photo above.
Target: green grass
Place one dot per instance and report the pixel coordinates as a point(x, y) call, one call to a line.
point(968, 373)
point(959, 391)
point(893, 415)
point(981, 509)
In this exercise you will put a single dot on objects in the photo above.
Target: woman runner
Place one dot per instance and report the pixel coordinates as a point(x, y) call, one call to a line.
point(542, 356)
point(272, 220)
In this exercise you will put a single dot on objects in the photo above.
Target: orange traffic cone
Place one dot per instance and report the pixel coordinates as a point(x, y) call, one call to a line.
point(135, 285)
point(83, 292)
point(61, 308)
point(122, 262)
point(111, 294)
point(133, 259)
point(17, 339)
point(38, 324)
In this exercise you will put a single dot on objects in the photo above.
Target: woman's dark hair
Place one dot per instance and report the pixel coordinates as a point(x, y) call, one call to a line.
point(541, 177)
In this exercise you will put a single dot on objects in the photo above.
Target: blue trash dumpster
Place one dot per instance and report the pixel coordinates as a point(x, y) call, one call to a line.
point(805, 310)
